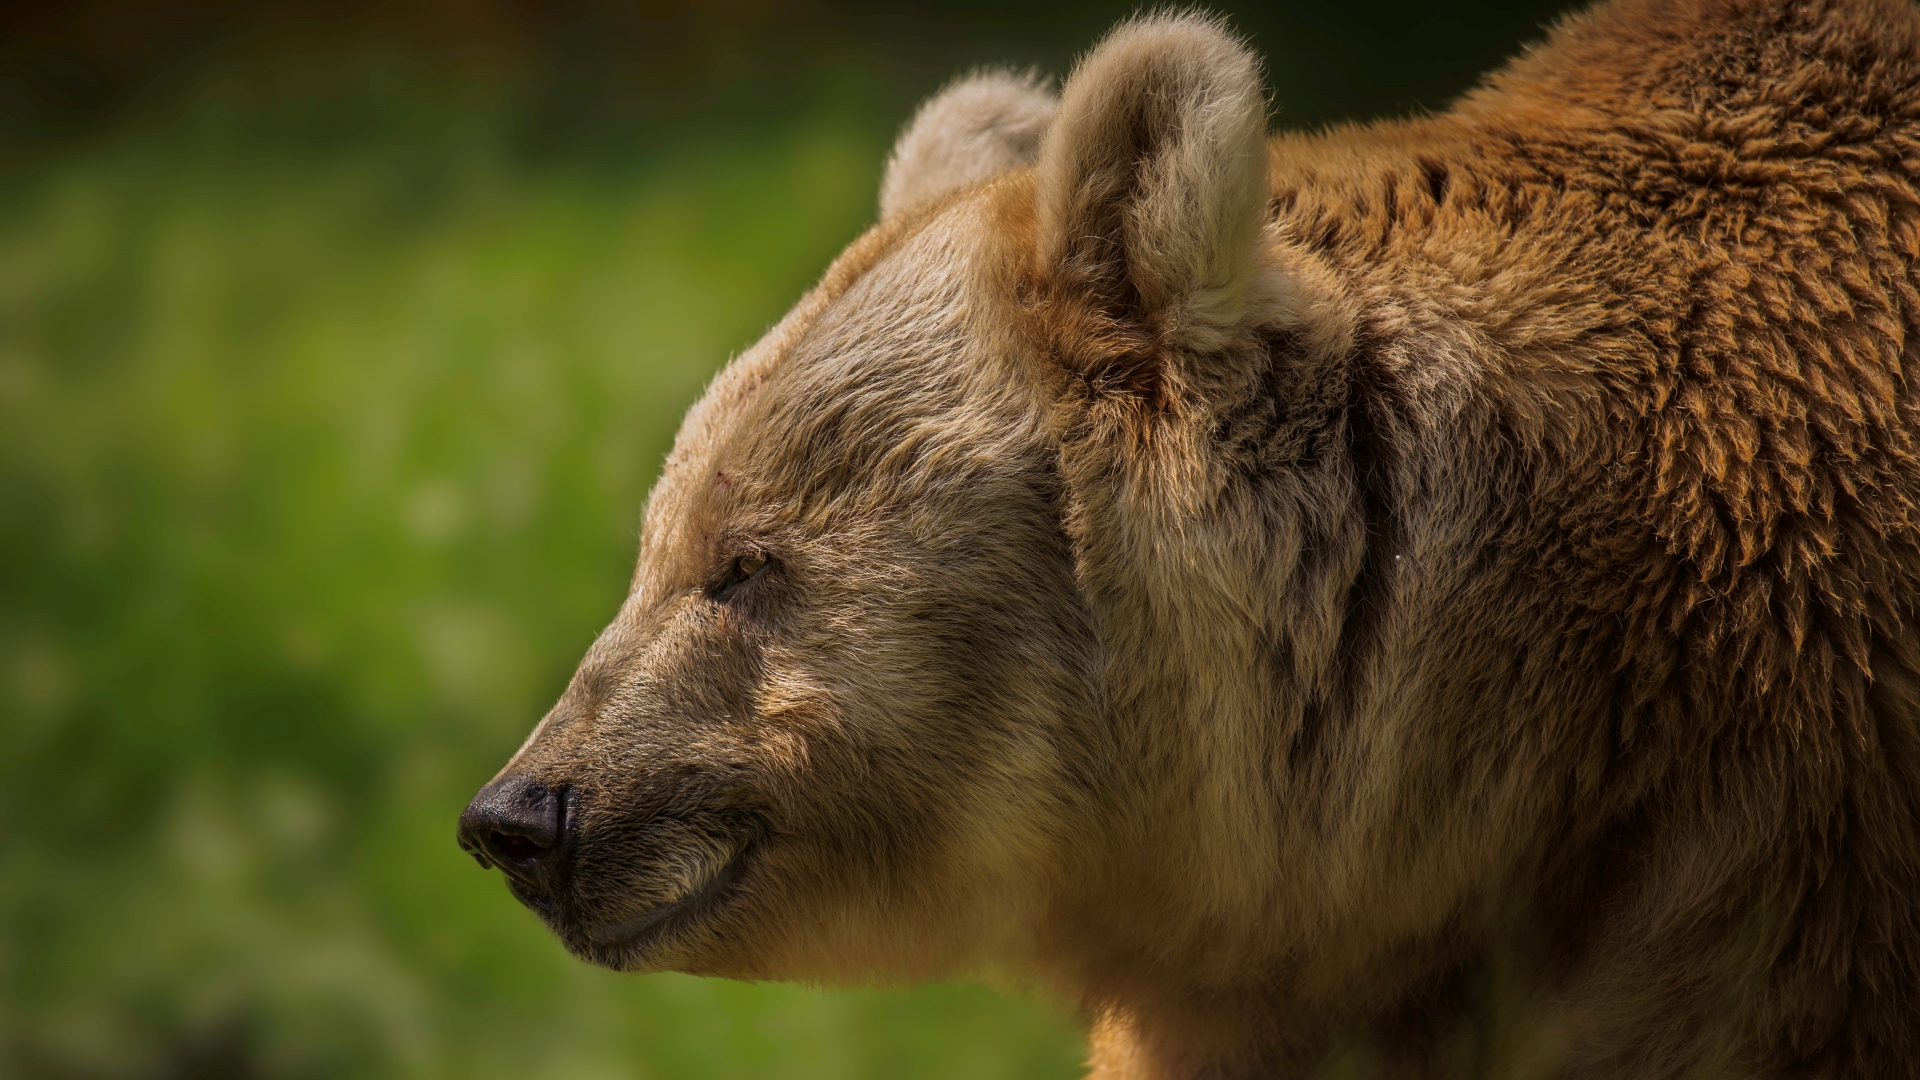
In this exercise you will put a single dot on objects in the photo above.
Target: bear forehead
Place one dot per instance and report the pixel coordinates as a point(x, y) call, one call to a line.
point(870, 373)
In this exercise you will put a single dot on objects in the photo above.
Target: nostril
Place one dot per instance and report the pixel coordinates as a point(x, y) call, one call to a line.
point(518, 825)
point(516, 848)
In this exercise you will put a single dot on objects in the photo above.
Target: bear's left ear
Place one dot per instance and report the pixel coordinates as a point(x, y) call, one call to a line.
point(978, 127)
point(1151, 192)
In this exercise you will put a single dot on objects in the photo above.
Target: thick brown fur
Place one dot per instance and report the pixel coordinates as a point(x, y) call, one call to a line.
point(1430, 598)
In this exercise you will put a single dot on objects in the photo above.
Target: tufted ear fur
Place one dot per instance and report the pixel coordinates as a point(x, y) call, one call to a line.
point(1152, 185)
point(980, 126)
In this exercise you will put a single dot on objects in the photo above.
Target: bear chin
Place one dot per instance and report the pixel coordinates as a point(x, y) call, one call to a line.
point(633, 941)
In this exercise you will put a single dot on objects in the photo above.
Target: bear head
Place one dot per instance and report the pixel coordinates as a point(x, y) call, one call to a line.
point(855, 717)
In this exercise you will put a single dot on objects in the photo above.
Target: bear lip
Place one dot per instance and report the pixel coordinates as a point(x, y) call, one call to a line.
point(656, 921)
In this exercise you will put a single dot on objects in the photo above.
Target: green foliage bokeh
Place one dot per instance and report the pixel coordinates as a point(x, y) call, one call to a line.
point(319, 476)
point(327, 411)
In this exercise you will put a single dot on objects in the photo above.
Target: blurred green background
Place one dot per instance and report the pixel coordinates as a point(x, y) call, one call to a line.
point(339, 344)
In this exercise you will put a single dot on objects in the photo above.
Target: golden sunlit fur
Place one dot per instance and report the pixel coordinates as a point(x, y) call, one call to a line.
point(1432, 598)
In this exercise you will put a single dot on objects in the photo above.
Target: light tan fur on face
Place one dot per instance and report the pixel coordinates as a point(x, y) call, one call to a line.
point(1423, 598)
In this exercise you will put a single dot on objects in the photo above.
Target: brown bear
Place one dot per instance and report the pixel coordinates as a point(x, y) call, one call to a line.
point(1439, 597)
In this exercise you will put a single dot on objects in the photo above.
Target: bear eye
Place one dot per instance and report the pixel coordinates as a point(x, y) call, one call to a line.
point(739, 571)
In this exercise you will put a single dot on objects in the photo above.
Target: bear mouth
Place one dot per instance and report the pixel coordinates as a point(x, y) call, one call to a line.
point(642, 932)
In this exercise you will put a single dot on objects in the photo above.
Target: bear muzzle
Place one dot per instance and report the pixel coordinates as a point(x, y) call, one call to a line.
point(618, 880)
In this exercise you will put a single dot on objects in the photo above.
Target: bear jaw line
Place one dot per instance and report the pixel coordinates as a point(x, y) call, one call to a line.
point(698, 895)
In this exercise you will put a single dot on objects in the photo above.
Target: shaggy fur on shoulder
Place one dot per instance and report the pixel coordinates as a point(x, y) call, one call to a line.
point(1432, 598)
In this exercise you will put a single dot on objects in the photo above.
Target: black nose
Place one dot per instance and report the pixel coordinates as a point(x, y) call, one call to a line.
point(519, 826)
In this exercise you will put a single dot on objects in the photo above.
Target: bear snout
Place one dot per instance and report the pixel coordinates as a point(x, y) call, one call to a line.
point(523, 827)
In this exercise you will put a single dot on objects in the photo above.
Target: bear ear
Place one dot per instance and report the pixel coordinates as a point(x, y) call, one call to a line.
point(980, 126)
point(1152, 183)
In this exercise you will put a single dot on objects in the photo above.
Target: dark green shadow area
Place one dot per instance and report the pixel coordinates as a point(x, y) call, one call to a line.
point(339, 346)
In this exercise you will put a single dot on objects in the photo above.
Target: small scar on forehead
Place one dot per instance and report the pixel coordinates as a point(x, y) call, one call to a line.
point(720, 477)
